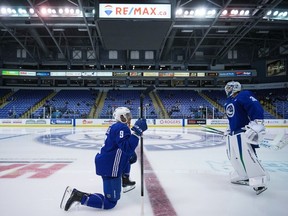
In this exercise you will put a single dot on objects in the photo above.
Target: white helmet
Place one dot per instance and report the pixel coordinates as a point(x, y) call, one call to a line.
point(122, 114)
point(232, 87)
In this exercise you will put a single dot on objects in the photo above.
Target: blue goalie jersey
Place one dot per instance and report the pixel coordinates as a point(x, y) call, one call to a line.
point(118, 147)
point(242, 109)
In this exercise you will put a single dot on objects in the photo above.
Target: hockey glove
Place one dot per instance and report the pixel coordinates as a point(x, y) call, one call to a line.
point(254, 132)
point(139, 127)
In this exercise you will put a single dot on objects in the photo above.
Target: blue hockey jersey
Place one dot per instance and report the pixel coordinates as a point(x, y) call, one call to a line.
point(118, 147)
point(242, 109)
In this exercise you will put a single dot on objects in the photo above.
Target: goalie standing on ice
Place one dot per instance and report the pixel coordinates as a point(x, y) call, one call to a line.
point(112, 163)
point(246, 130)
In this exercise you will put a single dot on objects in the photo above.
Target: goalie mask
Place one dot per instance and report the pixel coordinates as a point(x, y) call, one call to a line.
point(232, 87)
point(122, 114)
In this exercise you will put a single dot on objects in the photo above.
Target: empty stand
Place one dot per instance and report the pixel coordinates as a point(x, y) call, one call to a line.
point(68, 104)
point(21, 101)
point(130, 99)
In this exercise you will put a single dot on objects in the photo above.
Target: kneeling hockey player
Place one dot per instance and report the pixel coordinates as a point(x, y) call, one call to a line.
point(112, 163)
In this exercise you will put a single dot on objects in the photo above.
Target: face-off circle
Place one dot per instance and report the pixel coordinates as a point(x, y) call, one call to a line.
point(154, 140)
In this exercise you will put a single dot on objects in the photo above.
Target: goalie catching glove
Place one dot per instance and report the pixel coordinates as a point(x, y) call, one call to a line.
point(254, 132)
point(139, 127)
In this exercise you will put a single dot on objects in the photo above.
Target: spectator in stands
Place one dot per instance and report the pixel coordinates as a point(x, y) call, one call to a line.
point(84, 115)
point(10, 113)
point(56, 114)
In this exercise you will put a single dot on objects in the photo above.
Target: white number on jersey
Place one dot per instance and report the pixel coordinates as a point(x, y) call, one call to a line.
point(121, 134)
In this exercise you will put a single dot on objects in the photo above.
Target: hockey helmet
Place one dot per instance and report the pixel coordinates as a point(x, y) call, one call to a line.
point(232, 87)
point(122, 114)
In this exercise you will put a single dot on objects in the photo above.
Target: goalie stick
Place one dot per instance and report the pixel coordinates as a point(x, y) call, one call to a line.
point(270, 141)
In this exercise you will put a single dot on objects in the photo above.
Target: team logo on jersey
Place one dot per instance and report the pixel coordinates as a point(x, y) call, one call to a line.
point(154, 140)
point(230, 110)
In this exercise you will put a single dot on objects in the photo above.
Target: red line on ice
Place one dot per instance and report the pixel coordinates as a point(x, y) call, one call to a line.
point(160, 203)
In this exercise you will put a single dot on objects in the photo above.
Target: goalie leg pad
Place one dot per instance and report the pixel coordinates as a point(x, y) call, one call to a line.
point(258, 181)
point(245, 162)
point(236, 179)
point(234, 154)
point(254, 168)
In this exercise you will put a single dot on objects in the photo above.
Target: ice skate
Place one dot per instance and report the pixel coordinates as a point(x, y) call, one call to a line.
point(236, 179)
point(241, 182)
point(70, 196)
point(127, 184)
point(259, 190)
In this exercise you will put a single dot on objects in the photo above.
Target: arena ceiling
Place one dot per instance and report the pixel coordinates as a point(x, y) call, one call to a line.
point(176, 43)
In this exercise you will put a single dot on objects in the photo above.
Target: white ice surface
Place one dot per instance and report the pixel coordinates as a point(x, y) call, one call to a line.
point(196, 180)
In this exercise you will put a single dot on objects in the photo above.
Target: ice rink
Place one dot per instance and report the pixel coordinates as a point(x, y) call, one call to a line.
point(186, 173)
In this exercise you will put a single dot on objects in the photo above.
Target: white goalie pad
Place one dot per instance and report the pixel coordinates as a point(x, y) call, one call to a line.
point(234, 156)
point(258, 181)
point(244, 160)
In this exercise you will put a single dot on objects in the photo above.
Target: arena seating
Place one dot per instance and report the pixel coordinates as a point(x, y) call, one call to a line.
point(219, 96)
point(178, 103)
point(21, 101)
point(185, 104)
point(130, 99)
point(276, 100)
point(68, 104)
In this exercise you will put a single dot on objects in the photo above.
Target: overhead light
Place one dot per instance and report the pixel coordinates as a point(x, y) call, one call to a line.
point(277, 14)
point(58, 29)
point(224, 12)
point(179, 12)
point(187, 30)
point(82, 29)
point(200, 12)
point(222, 31)
point(262, 32)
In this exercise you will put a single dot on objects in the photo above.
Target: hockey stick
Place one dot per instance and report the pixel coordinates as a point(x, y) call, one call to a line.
point(142, 96)
point(211, 130)
point(269, 141)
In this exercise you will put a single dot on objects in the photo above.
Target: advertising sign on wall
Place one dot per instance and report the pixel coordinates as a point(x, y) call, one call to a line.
point(140, 11)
